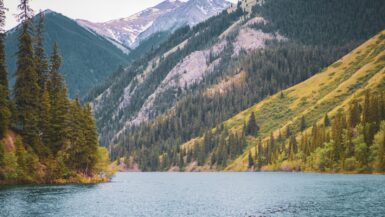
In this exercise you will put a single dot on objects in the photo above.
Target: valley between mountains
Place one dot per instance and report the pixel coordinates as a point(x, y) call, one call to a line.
point(209, 85)
point(174, 109)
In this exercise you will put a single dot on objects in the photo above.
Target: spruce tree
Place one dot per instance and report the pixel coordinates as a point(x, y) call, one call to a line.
point(5, 111)
point(41, 61)
point(354, 114)
point(252, 128)
point(293, 147)
point(45, 119)
point(326, 120)
point(91, 136)
point(260, 154)
point(272, 142)
point(382, 105)
point(366, 113)
point(288, 131)
point(59, 104)
point(302, 126)
point(2, 152)
point(26, 89)
point(250, 160)
point(75, 148)
point(379, 149)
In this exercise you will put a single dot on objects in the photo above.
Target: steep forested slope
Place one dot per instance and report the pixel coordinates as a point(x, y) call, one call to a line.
point(327, 123)
point(88, 57)
point(243, 57)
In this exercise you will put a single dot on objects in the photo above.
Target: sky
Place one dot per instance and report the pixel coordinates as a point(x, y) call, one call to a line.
point(92, 10)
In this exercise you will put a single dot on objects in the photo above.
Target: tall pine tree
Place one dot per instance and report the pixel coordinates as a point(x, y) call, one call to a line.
point(252, 128)
point(41, 61)
point(91, 136)
point(26, 89)
point(5, 113)
point(59, 104)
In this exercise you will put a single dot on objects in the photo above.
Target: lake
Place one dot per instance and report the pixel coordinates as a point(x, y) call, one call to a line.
point(204, 194)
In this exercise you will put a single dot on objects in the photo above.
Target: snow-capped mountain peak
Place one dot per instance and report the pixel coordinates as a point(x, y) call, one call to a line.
point(126, 30)
point(166, 16)
point(190, 13)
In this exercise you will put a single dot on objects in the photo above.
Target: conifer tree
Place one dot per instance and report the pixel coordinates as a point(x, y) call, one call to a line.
point(366, 113)
point(382, 105)
point(337, 130)
point(379, 149)
point(45, 118)
point(272, 143)
point(288, 131)
point(302, 126)
point(41, 61)
point(91, 136)
point(250, 160)
point(26, 89)
point(354, 114)
point(2, 152)
point(75, 148)
point(260, 154)
point(181, 161)
point(252, 128)
point(326, 120)
point(59, 104)
point(5, 111)
point(293, 147)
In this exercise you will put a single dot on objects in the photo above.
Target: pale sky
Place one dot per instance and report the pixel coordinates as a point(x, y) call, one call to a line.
point(92, 10)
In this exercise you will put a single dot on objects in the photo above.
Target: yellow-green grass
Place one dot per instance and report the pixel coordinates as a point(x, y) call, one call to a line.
point(326, 92)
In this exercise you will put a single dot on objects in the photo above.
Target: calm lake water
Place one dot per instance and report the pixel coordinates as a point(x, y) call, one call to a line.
point(204, 194)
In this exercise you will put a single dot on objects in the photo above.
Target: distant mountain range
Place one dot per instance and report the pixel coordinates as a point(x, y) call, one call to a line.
point(88, 58)
point(93, 51)
point(164, 17)
point(157, 110)
point(126, 30)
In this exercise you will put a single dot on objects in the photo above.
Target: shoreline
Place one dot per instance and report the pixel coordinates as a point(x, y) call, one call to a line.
point(79, 180)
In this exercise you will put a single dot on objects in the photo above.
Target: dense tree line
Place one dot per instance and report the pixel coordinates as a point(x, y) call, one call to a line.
point(332, 22)
point(317, 35)
point(199, 37)
point(267, 72)
point(55, 138)
point(352, 141)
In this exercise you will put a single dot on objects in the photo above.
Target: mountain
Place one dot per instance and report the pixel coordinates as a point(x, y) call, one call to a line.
point(190, 13)
point(126, 30)
point(203, 75)
point(88, 58)
point(164, 17)
point(329, 92)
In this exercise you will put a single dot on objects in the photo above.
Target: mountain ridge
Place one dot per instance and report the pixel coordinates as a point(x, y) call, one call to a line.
point(126, 30)
point(256, 50)
point(349, 78)
point(132, 30)
point(88, 57)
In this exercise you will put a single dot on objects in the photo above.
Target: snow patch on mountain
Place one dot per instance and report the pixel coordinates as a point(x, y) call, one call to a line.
point(126, 30)
point(190, 13)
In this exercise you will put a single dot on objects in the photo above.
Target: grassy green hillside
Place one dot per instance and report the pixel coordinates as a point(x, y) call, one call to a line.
point(88, 58)
point(149, 110)
point(327, 92)
point(330, 91)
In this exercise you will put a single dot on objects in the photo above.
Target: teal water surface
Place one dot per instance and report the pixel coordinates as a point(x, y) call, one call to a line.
point(204, 194)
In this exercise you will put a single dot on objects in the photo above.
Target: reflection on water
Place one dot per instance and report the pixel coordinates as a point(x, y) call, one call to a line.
point(204, 194)
point(38, 200)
